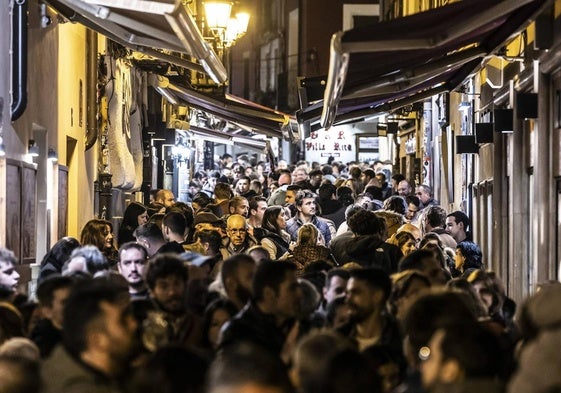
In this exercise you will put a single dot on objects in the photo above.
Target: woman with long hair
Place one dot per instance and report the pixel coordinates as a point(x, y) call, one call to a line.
point(272, 234)
point(99, 233)
point(135, 216)
point(309, 248)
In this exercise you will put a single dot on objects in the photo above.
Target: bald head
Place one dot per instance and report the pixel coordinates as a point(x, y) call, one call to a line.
point(236, 228)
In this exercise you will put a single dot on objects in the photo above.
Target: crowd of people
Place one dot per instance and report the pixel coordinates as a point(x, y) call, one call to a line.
point(309, 278)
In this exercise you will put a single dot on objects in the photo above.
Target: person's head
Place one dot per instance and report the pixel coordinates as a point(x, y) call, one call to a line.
point(247, 368)
point(435, 217)
point(216, 315)
point(239, 205)
point(132, 260)
point(87, 259)
point(165, 198)
point(413, 206)
point(52, 294)
point(274, 219)
point(365, 222)
point(489, 290)
point(285, 178)
point(407, 287)
point(150, 236)
point(335, 284)
point(98, 321)
point(174, 225)
point(257, 207)
point(367, 292)
point(307, 235)
point(210, 241)
point(427, 263)
point(406, 242)
point(222, 191)
point(460, 352)
point(276, 289)
point(237, 277)
point(242, 185)
point(290, 196)
point(431, 241)
point(457, 224)
point(166, 276)
point(9, 277)
point(367, 175)
point(135, 214)
point(19, 375)
point(97, 233)
point(316, 177)
point(299, 175)
point(468, 256)
point(327, 192)
point(424, 193)
point(396, 203)
point(306, 203)
point(404, 188)
point(60, 252)
point(236, 229)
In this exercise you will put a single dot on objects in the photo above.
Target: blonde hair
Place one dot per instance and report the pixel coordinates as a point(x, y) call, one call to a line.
point(307, 234)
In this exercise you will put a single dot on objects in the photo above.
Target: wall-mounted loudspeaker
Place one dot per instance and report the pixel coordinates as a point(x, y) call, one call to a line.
point(527, 105)
point(465, 144)
point(503, 119)
point(484, 132)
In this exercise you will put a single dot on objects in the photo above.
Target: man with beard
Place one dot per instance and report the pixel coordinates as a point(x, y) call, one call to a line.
point(269, 320)
point(370, 324)
point(306, 206)
point(167, 277)
point(98, 340)
point(132, 259)
point(237, 275)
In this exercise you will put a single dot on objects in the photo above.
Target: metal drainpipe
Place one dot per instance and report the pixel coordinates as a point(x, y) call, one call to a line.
point(19, 58)
point(91, 89)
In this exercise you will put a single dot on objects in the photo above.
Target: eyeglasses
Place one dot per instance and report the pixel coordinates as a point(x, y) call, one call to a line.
point(424, 353)
point(237, 230)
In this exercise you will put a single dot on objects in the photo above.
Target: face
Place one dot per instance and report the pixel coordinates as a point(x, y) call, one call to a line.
point(316, 180)
point(411, 211)
point(242, 209)
point(281, 220)
point(299, 175)
point(422, 194)
point(237, 231)
point(55, 312)
point(242, 186)
point(288, 297)
point(143, 218)
point(8, 275)
point(119, 329)
point(403, 188)
point(485, 294)
point(284, 179)
point(361, 299)
point(337, 288)
point(219, 318)
point(290, 197)
point(308, 207)
point(408, 247)
point(131, 266)
point(108, 237)
point(244, 278)
point(452, 227)
point(432, 360)
point(459, 259)
point(261, 207)
point(169, 293)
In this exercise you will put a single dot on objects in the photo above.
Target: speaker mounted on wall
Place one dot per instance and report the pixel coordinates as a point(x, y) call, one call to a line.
point(503, 120)
point(465, 144)
point(526, 105)
point(484, 132)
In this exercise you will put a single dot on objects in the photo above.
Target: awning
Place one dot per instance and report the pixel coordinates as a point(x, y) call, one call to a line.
point(388, 65)
point(249, 116)
point(153, 27)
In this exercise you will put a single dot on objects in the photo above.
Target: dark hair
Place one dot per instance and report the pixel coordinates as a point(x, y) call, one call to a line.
point(374, 278)
point(369, 172)
point(83, 308)
point(218, 304)
point(413, 260)
point(94, 233)
point(130, 221)
point(326, 191)
point(413, 200)
point(342, 273)
point(364, 222)
point(46, 290)
point(402, 283)
point(254, 202)
point(435, 216)
point(186, 210)
point(270, 274)
point(472, 253)
point(222, 191)
point(293, 187)
point(331, 310)
point(398, 177)
point(270, 219)
point(201, 199)
point(150, 231)
point(165, 265)
point(396, 204)
point(230, 266)
point(431, 236)
point(176, 222)
point(211, 237)
point(460, 216)
point(54, 259)
point(25, 375)
point(403, 237)
point(345, 195)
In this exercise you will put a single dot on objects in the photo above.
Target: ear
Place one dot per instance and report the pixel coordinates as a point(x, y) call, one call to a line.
point(451, 371)
point(253, 212)
point(47, 312)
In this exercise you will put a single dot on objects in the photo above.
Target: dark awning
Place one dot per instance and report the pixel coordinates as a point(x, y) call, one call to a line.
point(250, 116)
point(153, 27)
point(394, 63)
